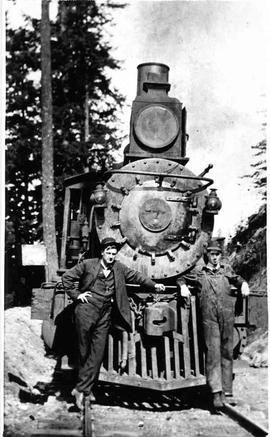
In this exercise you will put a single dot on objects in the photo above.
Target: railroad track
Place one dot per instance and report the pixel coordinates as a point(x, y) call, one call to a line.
point(122, 412)
point(245, 421)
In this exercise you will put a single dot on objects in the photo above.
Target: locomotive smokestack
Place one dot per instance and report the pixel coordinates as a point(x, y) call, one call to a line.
point(151, 72)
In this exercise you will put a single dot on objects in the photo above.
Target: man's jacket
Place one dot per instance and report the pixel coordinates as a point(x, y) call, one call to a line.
point(86, 273)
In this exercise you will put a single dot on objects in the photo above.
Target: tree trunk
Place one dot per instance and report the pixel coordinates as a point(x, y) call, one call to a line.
point(86, 113)
point(48, 211)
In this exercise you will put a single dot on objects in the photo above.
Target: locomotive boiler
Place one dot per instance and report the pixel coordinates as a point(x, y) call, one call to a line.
point(162, 215)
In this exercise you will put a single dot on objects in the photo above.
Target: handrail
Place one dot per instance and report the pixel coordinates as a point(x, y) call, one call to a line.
point(167, 175)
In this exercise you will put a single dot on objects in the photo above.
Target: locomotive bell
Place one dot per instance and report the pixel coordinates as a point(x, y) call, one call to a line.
point(159, 318)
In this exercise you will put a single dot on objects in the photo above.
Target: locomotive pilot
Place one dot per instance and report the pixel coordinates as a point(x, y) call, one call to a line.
point(214, 280)
point(101, 282)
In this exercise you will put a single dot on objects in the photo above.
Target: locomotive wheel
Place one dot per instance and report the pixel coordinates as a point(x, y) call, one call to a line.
point(87, 426)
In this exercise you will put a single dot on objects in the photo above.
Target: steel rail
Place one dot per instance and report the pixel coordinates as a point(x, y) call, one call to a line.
point(88, 425)
point(87, 418)
point(247, 423)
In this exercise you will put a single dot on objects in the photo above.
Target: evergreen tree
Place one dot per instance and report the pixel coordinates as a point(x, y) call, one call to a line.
point(82, 91)
point(23, 155)
point(82, 97)
point(259, 168)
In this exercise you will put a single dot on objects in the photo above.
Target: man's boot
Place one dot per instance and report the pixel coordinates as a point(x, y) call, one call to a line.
point(92, 397)
point(229, 399)
point(217, 401)
point(78, 397)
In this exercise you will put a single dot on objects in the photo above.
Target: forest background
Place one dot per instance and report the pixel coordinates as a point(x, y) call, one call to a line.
point(80, 50)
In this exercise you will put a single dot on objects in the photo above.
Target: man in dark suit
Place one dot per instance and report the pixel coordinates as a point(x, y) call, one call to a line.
point(101, 282)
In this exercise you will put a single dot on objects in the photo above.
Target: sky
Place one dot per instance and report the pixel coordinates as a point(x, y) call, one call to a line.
point(217, 54)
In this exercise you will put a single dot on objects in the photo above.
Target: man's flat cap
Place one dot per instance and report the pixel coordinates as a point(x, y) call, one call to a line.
point(109, 241)
point(213, 245)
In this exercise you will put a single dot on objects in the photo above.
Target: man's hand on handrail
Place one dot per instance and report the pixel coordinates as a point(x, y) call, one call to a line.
point(184, 291)
point(160, 287)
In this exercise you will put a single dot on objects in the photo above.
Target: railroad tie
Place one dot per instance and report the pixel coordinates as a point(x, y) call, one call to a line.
point(56, 433)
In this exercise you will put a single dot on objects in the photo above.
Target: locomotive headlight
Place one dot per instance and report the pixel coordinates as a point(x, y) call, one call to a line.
point(99, 195)
point(213, 203)
point(156, 126)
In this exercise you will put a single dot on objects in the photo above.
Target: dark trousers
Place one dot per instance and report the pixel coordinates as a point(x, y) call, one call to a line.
point(92, 323)
point(218, 323)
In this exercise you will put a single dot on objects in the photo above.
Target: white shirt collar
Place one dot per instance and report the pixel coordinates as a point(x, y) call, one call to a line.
point(211, 267)
point(105, 267)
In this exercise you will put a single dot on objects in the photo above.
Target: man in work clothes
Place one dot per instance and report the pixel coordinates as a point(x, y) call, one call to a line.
point(101, 282)
point(217, 304)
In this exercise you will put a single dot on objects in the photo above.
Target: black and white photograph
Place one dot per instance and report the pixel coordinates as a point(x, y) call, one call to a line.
point(133, 219)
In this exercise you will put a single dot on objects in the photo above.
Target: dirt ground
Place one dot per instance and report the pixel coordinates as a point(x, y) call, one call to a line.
point(26, 365)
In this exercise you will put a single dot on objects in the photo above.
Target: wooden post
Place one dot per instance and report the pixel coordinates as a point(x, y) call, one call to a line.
point(48, 207)
point(86, 113)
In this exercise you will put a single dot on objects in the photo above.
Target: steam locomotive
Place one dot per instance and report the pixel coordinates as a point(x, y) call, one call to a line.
point(162, 215)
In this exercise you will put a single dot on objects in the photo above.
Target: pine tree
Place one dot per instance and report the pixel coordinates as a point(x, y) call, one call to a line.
point(81, 90)
point(81, 62)
point(23, 155)
point(81, 85)
point(260, 167)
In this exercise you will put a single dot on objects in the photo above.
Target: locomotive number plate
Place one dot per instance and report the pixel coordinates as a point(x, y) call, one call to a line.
point(155, 214)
